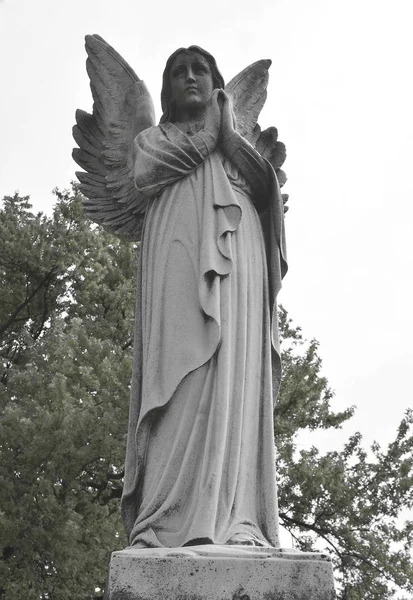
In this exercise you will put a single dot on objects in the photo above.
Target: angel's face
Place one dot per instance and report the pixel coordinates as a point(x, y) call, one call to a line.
point(191, 85)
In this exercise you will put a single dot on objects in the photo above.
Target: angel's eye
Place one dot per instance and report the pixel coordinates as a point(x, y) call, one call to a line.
point(200, 69)
point(178, 71)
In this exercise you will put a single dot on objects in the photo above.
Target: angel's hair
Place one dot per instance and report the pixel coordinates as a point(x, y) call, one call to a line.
point(168, 107)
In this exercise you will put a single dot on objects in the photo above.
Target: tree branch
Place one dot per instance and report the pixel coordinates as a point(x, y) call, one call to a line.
point(45, 281)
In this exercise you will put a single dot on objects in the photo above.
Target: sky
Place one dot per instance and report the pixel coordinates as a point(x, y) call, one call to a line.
point(341, 96)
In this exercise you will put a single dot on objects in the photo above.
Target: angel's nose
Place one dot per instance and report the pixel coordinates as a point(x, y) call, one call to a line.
point(190, 75)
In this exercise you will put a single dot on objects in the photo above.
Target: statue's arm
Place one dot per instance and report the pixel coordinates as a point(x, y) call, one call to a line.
point(164, 154)
point(256, 169)
point(248, 161)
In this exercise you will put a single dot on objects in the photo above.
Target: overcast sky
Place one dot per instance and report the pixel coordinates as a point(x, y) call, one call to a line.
point(340, 94)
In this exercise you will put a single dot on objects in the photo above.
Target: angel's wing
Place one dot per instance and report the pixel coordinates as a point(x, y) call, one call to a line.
point(248, 92)
point(275, 152)
point(122, 108)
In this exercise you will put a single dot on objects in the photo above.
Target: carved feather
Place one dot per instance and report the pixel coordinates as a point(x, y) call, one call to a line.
point(90, 178)
point(266, 140)
point(281, 176)
point(270, 148)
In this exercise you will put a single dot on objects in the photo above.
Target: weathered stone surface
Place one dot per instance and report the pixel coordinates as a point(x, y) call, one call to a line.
point(200, 458)
point(206, 573)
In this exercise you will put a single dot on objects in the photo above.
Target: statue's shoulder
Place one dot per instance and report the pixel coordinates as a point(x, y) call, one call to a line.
point(157, 134)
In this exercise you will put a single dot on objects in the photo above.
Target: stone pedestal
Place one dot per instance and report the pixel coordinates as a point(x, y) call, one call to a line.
point(219, 573)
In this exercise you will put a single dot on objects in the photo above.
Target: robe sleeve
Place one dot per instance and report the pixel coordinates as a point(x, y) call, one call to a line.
point(255, 169)
point(165, 154)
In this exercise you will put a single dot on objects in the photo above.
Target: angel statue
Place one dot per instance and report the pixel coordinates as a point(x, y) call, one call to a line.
point(201, 190)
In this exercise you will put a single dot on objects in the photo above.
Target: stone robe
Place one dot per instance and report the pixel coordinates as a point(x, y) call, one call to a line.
point(200, 463)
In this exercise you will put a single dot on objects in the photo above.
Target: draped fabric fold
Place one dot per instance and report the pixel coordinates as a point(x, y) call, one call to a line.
point(200, 450)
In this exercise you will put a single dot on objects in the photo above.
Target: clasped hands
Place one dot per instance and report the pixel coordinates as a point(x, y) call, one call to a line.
point(220, 119)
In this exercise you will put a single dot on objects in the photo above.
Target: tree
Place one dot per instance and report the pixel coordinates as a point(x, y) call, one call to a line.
point(66, 320)
point(65, 358)
point(350, 503)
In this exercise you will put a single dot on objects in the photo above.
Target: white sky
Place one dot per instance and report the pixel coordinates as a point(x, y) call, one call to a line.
point(341, 97)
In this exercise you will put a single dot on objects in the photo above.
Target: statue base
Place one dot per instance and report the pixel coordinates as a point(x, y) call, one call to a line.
point(219, 573)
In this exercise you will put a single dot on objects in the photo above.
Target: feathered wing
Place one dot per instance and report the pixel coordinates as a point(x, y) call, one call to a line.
point(122, 108)
point(248, 93)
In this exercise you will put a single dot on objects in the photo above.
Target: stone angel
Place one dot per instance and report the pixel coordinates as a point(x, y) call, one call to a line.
point(201, 190)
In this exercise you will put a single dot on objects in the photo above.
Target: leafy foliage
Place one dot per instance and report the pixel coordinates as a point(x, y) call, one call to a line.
point(66, 362)
point(350, 503)
point(66, 319)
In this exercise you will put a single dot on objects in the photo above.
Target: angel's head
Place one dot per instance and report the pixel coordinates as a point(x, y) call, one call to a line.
point(190, 76)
